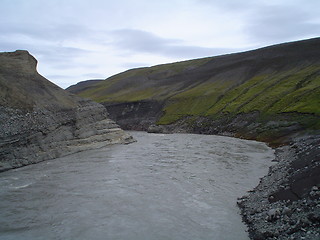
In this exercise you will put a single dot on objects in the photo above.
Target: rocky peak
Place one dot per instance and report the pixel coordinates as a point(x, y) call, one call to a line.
point(41, 121)
point(19, 61)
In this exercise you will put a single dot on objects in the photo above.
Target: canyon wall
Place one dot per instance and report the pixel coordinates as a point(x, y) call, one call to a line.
point(40, 121)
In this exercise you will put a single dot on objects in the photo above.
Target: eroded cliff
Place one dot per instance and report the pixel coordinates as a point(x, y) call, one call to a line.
point(40, 121)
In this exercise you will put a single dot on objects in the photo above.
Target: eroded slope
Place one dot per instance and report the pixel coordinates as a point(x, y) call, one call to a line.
point(41, 121)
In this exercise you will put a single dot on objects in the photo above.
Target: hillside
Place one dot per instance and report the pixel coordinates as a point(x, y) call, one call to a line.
point(40, 121)
point(273, 87)
point(83, 86)
point(270, 94)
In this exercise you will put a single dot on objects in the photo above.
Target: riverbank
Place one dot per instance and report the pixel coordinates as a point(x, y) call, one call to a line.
point(164, 186)
point(286, 203)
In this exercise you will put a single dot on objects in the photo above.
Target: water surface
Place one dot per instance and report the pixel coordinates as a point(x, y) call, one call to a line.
point(178, 186)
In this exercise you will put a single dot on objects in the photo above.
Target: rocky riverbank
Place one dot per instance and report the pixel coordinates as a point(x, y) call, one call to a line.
point(286, 203)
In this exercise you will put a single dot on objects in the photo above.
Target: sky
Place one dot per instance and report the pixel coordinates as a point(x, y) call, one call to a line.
point(76, 40)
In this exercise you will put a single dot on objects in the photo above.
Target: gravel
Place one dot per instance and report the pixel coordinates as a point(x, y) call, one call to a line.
point(286, 203)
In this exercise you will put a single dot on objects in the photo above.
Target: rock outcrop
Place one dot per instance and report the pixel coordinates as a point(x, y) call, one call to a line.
point(40, 121)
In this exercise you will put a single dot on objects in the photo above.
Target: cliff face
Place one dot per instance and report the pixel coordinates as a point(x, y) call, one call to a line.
point(264, 94)
point(40, 121)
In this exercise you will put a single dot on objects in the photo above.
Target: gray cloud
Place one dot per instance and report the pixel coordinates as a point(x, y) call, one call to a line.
point(59, 54)
point(56, 56)
point(272, 21)
point(54, 76)
point(51, 33)
point(279, 23)
point(137, 41)
point(230, 5)
point(48, 30)
point(94, 75)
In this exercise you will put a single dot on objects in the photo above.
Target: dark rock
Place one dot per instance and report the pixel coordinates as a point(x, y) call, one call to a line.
point(155, 129)
point(138, 115)
point(314, 217)
point(291, 217)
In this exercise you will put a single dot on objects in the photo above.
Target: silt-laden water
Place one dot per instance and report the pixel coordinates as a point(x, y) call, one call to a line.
point(175, 187)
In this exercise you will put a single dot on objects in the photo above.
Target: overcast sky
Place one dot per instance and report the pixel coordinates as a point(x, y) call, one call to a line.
point(76, 40)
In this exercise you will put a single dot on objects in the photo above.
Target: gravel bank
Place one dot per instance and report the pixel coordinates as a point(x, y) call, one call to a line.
point(286, 203)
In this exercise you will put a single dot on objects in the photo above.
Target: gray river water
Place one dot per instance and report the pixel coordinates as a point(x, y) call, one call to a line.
point(178, 186)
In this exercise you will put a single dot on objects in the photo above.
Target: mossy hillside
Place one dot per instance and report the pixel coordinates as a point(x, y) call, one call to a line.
point(132, 85)
point(97, 92)
point(304, 99)
point(195, 101)
point(238, 90)
point(229, 101)
point(128, 95)
point(283, 93)
point(296, 90)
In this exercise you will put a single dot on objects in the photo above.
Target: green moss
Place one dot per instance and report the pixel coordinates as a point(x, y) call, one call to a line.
point(169, 118)
point(308, 103)
point(245, 93)
point(193, 102)
point(282, 92)
point(273, 94)
point(305, 98)
point(128, 95)
point(296, 90)
point(97, 92)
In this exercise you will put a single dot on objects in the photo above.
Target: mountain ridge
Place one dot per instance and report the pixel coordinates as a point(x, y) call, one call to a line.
point(278, 82)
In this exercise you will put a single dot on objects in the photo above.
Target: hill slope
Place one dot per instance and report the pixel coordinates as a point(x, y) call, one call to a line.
point(270, 94)
point(40, 121)
point(254, 94)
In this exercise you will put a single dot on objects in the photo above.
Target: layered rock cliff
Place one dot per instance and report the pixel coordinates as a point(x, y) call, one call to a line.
point(40, 121)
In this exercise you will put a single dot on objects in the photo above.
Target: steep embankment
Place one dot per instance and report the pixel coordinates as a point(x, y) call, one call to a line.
point(263, 94)
point(41, 121)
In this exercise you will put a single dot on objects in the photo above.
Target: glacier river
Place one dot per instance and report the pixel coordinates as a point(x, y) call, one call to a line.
point(177, 187)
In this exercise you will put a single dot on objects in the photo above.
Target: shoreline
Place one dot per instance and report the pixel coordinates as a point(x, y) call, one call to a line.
point(286, 202)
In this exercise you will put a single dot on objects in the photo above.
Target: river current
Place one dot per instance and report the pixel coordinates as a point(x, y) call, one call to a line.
point(166, 187)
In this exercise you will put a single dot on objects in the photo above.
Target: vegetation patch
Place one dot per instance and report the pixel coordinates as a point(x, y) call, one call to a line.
point(194, 102)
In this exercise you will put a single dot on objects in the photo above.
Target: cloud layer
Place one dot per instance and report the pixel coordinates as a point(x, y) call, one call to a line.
point(77, 39)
